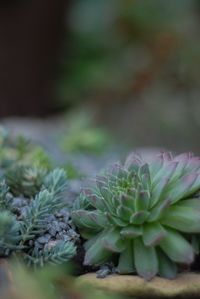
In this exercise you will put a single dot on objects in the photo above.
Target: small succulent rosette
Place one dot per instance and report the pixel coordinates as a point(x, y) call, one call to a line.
point(142, 214)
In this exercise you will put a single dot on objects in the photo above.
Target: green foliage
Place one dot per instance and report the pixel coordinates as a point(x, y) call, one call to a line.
point(20, 150)
point(34, 219)
point(72, 172)
point(56, 183)
point(83, 136)
point(50, 282)
point(25, 220)
point(143, 212)
point(55, 253)
point(24, 180)
point(109, 39)
point(38, 157)
point(4, 195)
point(9, 231)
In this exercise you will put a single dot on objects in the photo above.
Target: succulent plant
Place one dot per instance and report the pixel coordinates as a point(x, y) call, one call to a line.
point(21, 150)
point(34, 220)
point(83, 136)
point(142, 215)
point(24, 180)
point(35, 224)
point(37, 228)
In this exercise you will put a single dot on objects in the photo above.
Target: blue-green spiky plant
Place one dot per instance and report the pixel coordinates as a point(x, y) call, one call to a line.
point(144, 213)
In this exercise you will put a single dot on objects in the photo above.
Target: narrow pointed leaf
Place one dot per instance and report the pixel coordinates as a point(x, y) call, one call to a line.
point(166, 172)
point(126, 260)
point(153, 233)
point(144, 169)
point(191, 203)
point(115, 220)
point(156, 165)
point(90, 219)
point(92, 240)
point(142, 201)
point(139, 217)
point(184, 219)
point(88, 233)
point(96, 254)
point(158, 191)
point(177, 248)
point(133, 162)
point(101, 182)
point(146, 261)
point(95, 200)
point(124, 212)
point(183, 187)
point(159, 210)
point(126, 200)
point(167, 268)
point(112, 241)
point(131, 231)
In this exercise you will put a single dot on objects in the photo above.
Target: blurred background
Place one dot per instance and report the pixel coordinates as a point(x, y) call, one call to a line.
point(128, 67)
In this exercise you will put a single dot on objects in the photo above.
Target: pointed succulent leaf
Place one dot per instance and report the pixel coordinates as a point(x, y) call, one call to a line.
point(159, 210)
point(167, 268)
point(131, 231)
point(112, 241)
point(177, 248)
point(184, 219)
point(190, 162)
point(167, 156)
point(133, 162)
point(124, 213)
point(113, 219)
point(107, 202)
point(90, 219)
point(126, 260)
point(142, 201)
point(96, 254)
point(184, 187)
point(144, 169)
point(87, 233)
point(122, 173)
point(153, 233)
point(181, 168)
point(156, 165)
point(146, 181)
point(126, 200)
point(105, 192)
point(190, 203)
point(184, 157)
point(92, 240)
point(101, 182)
point(94, 199)
point(83, 202)
point(146, 261)
point(139, 217)
point(165, 172)
point(158, 191)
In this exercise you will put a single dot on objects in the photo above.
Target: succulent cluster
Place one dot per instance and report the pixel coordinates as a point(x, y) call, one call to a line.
point(21, 150)
point(34, 221)
point(142, 215)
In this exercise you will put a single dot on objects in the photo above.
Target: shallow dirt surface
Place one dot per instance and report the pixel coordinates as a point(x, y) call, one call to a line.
point(184, 286)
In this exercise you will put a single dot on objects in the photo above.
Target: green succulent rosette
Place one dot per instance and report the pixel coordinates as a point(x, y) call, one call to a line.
point(143, 214)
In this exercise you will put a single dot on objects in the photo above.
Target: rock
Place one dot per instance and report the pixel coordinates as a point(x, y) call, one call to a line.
point(186, 285)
